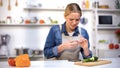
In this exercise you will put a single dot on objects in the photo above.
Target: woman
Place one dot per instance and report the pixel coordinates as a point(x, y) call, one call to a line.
point(66, 41)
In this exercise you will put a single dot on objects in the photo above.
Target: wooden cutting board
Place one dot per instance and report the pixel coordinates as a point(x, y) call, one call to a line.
point(99, 62)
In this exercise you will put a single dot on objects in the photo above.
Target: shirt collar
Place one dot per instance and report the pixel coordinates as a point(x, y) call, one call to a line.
point(63, 30)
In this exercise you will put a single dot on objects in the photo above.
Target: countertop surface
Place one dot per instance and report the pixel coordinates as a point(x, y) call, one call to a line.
point(64, 64)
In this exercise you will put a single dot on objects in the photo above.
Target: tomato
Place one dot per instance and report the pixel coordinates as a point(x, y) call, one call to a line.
point(111, 46)
point(11, 61)
point(116, 46)
point(27, 21)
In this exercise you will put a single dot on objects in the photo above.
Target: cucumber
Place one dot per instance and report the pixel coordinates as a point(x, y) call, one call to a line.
point(95, 58)
point(92, 59)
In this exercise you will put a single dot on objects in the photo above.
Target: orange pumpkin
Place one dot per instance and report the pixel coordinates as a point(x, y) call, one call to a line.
point(22, 61)
point(41, 21)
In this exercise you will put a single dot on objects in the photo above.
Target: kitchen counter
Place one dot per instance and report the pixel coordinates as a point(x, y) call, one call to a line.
point(64, 64)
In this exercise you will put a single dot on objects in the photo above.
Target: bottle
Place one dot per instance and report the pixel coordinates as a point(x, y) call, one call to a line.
point(83, 4)
point(117, 4)
point(95, 4)
point(8, 21)
point(87, 4)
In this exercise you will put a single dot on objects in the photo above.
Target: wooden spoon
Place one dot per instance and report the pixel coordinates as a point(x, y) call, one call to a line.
point(9, 6)
point(1, 3)
point(16, 3)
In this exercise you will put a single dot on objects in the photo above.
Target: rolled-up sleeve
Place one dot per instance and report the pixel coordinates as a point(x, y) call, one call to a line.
point(51, 47)
point(48, 48)
point(89, 56)
point(55, 51)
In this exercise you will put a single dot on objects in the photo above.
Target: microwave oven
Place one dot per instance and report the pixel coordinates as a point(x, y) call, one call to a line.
point(106, 20)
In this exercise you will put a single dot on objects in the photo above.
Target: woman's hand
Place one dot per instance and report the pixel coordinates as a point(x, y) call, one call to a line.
point(84, 44)
point(70, 44)
point(67, 45)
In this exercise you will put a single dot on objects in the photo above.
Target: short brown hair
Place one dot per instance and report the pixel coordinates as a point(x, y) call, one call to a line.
point(72, 7)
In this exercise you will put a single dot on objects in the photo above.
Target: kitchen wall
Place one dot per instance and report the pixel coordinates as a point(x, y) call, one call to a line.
point(34, 36)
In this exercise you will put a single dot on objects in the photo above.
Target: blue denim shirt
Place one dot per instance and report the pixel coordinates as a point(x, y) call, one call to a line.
point(54, 39)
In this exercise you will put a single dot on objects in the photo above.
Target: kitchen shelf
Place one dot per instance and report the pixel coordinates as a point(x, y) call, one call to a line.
point(108, 27)
point(62, 9)
point(108, 10)
point(43, 9)
point(50, 9)
point(28, 24)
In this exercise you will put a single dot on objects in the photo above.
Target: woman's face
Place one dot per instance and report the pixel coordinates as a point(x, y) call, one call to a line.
point(72, 20)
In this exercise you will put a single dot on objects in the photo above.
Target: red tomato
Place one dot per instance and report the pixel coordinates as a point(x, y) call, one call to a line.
point(27, 21)
point(111, 46)
point(11, 62)
point(116, 46)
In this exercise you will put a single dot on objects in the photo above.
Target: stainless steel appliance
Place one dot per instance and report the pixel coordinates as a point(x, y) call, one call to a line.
point(22, 51)
point(4, 40)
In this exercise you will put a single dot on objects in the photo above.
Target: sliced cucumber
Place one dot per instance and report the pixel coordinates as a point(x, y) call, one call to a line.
point(92, 59)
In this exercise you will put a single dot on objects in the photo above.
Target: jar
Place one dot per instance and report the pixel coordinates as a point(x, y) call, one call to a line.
point(8, 20)
point(87, 5)
point(18, 51)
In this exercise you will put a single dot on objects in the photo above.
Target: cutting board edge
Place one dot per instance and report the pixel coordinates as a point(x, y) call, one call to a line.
point(89, 65)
